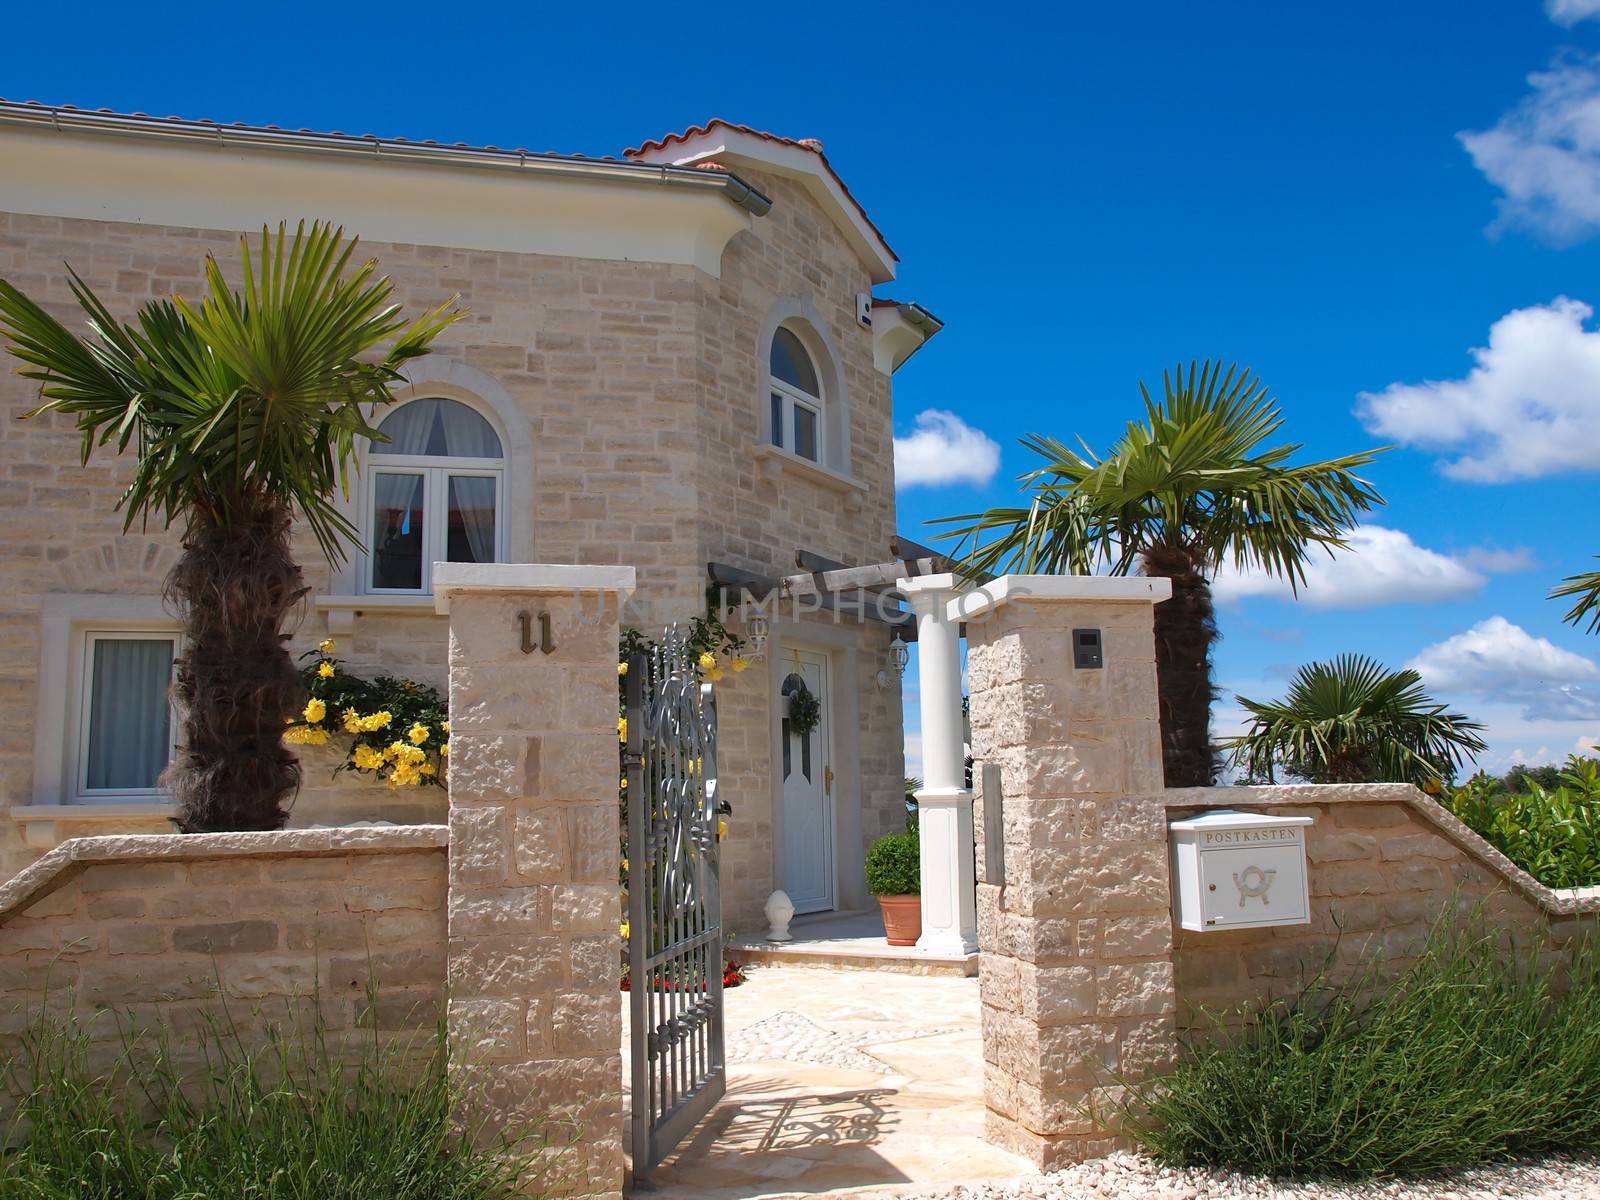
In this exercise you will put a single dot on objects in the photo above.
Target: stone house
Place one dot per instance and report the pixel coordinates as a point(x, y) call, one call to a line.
point(672, 359)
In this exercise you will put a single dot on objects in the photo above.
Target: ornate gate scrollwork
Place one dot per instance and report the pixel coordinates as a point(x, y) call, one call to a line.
point(674, 901)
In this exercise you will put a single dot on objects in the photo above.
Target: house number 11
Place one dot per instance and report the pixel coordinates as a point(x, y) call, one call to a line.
point(546, 640)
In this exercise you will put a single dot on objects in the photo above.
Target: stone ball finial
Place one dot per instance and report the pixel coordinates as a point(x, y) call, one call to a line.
point(779, 911)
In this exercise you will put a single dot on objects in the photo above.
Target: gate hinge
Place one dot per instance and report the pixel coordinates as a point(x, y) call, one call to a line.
point(632, 758)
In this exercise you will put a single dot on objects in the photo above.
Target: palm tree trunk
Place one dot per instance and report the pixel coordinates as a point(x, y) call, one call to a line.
point(235, 683)
point(1185, 628)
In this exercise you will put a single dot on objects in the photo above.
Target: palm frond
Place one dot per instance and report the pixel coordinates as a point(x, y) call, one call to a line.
point(1586, 588)
point(1194, 472)
point(246, 398)
point(1351, 720)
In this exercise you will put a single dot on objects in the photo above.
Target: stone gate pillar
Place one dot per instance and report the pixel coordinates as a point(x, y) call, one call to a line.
point(1076, 966)
point(533, 912)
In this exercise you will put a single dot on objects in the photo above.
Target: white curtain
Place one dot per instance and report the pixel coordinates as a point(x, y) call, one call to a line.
point(472, 511)
point(129, 735)
point(441, 428)
point(409, 428)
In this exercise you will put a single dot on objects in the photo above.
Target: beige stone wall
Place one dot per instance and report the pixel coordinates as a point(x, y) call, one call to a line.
point(534, 910)
point(166, 929)
point(640, 387)
point(1075, 970)
point(1385, 863)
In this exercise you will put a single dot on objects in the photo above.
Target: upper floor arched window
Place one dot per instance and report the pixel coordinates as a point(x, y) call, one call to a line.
point(797, 407)
point(435, 493)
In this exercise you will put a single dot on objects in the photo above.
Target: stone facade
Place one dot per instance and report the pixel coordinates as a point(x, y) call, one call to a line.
point(639, 386)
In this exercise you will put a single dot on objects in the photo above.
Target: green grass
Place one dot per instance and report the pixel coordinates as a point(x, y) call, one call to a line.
point(291, 1117)
point(1470, 1056)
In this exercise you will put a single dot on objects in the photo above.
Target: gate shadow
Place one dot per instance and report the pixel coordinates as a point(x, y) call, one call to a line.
point(782, 1135)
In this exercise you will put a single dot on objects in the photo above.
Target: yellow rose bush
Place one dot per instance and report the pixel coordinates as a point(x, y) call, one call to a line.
point(398, 729)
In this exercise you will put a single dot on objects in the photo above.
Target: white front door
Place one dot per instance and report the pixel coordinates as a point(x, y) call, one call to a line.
point(805, 764)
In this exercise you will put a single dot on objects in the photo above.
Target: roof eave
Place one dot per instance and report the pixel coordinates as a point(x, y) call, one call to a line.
point(729, 185)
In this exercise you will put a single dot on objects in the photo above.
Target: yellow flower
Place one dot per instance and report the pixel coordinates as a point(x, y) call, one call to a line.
point(326, 670)
point(622, 784)
point(444, 750)
point(622, 669)
point(352, 721)
point(445, 725)
point(622, 729)
point(326, 645)
point(707, 660)
point(378, 720)
point(418, 733)
point(740, 662)
point(426, 768)
point(305, 735)
point(722, 829)
point(624, 864)
point(623, 929)
point(315, 710)
point(715, 674)
point(367, 758)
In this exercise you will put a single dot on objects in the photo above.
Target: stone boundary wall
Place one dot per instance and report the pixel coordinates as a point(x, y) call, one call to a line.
point(1085, 979)
point(1384, 863)
point(166, 928)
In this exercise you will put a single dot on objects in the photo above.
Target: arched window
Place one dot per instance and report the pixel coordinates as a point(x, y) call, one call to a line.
point(797, 407)
point(435, 494)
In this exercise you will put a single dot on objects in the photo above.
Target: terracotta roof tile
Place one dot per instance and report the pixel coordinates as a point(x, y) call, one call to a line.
point(811, 144)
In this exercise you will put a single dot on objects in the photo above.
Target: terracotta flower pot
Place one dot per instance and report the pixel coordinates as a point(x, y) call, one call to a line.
point(902, 919)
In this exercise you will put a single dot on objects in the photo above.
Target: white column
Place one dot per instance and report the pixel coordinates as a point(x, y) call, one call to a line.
point(944, 804)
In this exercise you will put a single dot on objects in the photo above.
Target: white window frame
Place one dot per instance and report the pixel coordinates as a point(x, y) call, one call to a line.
point(82, 674)
point(790, 398)
point(435, 470)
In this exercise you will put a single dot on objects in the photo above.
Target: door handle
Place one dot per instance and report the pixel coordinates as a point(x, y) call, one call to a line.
point(827, 781)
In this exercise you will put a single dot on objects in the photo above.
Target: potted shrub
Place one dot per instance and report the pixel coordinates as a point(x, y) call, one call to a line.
point(894, 876)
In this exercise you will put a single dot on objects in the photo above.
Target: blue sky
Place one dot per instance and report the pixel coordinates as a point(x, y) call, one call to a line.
point(1087, 196)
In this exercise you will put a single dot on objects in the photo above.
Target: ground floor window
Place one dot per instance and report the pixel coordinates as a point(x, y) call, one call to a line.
point(124, 720)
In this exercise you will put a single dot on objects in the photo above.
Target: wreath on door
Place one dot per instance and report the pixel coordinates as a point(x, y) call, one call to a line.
point(805, 710)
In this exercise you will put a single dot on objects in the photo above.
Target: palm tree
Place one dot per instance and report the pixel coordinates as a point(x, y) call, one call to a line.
point(1586, 588)
point(243, 411)
point(1353, 721)
point(1186, 489)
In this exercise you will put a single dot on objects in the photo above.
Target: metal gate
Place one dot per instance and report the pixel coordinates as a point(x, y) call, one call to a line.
point(674, 899)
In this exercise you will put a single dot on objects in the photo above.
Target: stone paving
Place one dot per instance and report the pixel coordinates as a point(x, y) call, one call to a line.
point(843, 1081)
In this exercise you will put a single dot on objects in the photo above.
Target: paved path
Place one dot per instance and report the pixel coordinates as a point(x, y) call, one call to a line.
point(843, 1080)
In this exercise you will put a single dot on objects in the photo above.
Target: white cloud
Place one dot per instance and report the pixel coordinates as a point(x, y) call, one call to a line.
point(1496, 561)
point(1530, 406)
point(1380, 566)
point(1544, 154)
point(1504, 663)
point(1570, 12)
point(944, 449)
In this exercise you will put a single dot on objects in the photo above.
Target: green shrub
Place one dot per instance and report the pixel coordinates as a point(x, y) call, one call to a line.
point(298, 1119)
point(894, 865)
point(1553, 833)
point(1468, 1057)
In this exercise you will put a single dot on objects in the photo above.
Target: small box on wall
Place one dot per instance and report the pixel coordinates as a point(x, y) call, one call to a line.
point(1239, 870)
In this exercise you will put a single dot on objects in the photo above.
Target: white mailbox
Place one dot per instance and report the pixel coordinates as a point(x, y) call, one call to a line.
point(1239, 870)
